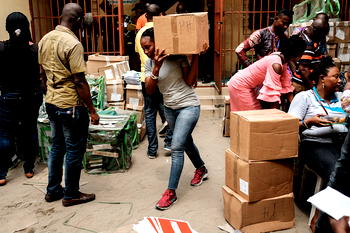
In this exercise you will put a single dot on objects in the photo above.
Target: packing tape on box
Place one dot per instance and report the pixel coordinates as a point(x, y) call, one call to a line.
point(108, 61)
point(175, 34)
point(235, 165)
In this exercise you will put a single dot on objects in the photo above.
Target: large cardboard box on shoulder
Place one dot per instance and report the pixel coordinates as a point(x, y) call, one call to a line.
point(257, 180)
point(264, 134)
point(182, 33)
point(97, 61)
point(262, 216)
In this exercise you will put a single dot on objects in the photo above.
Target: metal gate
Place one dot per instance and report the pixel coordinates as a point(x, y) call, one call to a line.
point(235, 20)
point(103, 30)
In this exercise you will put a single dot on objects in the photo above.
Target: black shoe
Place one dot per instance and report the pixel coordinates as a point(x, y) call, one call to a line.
point(162, 131)
point(83, 198)
point(53, 197)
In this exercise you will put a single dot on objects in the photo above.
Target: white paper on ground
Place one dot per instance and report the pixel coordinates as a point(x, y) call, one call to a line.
point(332, 202)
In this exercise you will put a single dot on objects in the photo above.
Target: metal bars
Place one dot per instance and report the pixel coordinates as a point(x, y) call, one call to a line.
point(103, 33)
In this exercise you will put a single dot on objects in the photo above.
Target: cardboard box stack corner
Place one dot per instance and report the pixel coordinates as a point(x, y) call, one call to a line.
point(338, 41)
point(258, 193)
point(226, 119)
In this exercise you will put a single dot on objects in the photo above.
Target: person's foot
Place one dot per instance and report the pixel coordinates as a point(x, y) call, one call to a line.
point(83, 198)
point(152, 156)
point(3, 182)
point(29, 174)
point(200, 175)
point(167, 200)
point(53, 197)
point(167, 148)
point(163, 129)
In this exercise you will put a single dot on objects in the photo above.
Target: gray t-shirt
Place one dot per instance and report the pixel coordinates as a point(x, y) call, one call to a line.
point(306, 104)
point(176, 93)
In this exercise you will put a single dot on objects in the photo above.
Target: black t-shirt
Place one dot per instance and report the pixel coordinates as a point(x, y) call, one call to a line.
point(20, 68)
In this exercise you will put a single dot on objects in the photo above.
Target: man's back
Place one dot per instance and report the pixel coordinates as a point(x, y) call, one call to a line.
point(61, 55)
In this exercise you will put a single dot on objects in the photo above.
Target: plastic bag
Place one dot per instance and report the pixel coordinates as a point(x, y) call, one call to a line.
point(308, 9)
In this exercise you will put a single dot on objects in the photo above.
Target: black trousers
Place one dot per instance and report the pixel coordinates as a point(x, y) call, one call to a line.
point(339, 180)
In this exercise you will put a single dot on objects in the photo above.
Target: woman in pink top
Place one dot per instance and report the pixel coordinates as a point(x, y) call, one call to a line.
point(261, 84)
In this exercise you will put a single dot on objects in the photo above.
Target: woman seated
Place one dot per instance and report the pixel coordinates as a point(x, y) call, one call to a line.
point(261, 84)
point(321, 119)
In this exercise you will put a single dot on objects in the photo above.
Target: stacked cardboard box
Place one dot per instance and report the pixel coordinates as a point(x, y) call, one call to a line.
point(97, 61)
point(134, 100)
point(259, 170)
point(226, 120)
point(114, 82)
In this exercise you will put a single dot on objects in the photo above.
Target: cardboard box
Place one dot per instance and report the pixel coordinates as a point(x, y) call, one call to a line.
point(332, 50)
point(226, 127)
point(257, 180)
point(227, 107)
point(115, 92)
point(344, 52)
point(182, 33)
point(134, 97)
point(262, 216)
point(264, 134)
point(97, 61)
point(339, 32)
point(117, 105)
point(112, 76)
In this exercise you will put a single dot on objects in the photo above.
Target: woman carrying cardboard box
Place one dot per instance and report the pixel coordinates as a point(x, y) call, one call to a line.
point(175, 80)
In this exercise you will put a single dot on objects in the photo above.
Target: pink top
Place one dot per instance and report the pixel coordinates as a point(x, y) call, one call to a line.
point(262, 75)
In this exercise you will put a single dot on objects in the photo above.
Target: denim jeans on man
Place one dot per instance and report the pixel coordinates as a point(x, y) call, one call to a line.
point(182, 122)
point(69, 137)
point(18, 128)
point(154, 104)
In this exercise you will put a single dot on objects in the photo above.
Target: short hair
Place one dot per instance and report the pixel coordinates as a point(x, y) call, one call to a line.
point(324, 14)
point(322, 68)
point(148, 33)
point(286, 12)
point(297, 44)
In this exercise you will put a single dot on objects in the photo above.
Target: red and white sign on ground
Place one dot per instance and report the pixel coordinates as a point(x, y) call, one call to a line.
point(163, 225)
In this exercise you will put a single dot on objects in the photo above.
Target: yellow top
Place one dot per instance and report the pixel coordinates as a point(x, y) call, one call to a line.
point(61, 54)
point(139, 49)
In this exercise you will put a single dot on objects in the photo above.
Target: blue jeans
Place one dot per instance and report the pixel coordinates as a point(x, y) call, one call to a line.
point(18, 129)
point(154, 104)
point(69, 138)
point(182, 122)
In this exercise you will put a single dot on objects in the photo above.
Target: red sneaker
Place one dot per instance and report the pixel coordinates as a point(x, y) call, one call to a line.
point(199, 175)
point(168, 198)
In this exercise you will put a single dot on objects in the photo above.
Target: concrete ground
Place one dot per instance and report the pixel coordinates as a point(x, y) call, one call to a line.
point(23, 209)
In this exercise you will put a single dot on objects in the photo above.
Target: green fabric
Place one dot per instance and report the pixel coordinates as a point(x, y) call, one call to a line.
point(97, 90)
point(308, 9)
